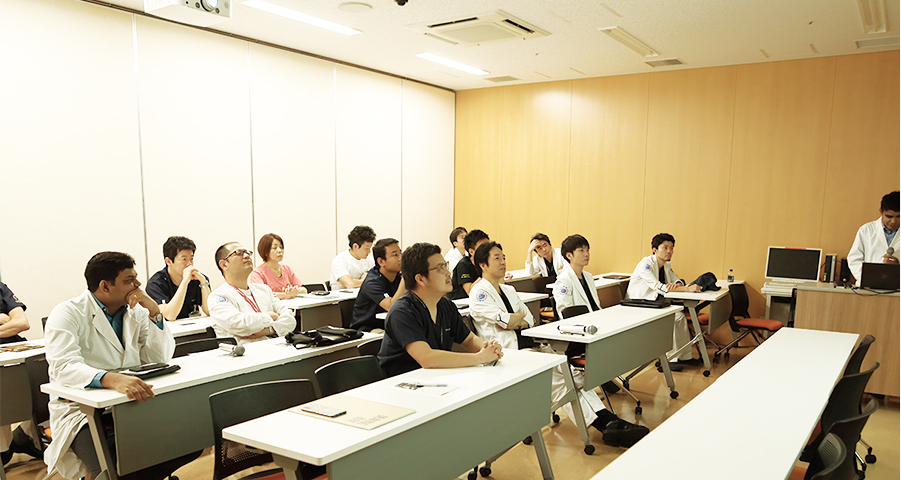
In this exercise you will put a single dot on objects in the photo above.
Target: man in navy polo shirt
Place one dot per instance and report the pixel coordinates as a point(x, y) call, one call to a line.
point(179, 287)
point(423, 325)
point(382, 286)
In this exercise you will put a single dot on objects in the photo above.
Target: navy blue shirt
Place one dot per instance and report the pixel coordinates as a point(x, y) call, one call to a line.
point(8, 303)
point(161, 290)
point(375, 288)
point(409, 321)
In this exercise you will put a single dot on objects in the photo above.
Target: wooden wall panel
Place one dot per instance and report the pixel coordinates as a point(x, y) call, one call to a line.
point(606, 179)
point(477, 166)
point(782, 116)
point(534, 161)
point(689, 151)
point(863, 146)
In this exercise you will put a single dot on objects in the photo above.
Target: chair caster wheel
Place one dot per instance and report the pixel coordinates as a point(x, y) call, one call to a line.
point(660, 369)
point(657, 364)
point(527, 440)
point(674, 394)
point(706, 373)
point(555, 418)
point(870, 458)
point(485, 471)
point(727, 355)
point(472, 475)
point(637, 410)
point(589, 449)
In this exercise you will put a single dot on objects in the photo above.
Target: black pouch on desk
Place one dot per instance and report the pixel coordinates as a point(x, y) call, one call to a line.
point(322, 336)
point(707, 282)
point(637, 302)
point(154, 372)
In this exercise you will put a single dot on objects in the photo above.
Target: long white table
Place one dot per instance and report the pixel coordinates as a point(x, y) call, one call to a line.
point(753, 421)
point(493, 409)
point(691, 301)
point(314, 311)
point(179, 413)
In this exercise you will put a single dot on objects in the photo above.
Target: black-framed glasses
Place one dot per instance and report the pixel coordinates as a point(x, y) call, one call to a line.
point(241, 252)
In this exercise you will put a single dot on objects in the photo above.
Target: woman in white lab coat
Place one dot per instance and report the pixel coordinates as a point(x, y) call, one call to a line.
point(544, 256)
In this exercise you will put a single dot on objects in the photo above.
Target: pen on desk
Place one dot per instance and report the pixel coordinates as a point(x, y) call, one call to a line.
point(437, 385)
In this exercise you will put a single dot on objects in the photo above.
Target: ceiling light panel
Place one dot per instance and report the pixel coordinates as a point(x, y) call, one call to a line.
point(300, 17)
point(452, 63)
point(629, 41)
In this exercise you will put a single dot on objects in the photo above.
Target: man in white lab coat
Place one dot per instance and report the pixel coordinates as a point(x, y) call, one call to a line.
point(652, 278)
point(877, 241)
point(547, 262)
point(246, 311)
point(112, 325)
point(574, 285)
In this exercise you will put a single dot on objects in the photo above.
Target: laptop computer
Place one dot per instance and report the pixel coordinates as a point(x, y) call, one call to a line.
point(880, 276)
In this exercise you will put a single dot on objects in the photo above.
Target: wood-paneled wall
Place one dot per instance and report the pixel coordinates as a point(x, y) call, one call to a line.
point(728, 159)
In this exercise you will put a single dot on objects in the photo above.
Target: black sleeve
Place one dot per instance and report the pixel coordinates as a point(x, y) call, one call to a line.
point(373, 289)
point(459, 329)
point(155, 290)
point(8, 300)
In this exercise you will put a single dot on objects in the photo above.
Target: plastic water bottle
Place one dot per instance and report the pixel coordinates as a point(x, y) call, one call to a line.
point(731, 276)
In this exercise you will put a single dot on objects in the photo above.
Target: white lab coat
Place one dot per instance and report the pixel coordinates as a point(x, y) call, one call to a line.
point(646, 285)
point(80, 342)
point(869, 246)
point(232, 316)
point(489, 315)
point(452, 257)
point(538, 266)
point(568, 290)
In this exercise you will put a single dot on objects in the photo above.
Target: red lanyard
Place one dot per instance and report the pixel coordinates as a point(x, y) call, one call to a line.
point(252, 303)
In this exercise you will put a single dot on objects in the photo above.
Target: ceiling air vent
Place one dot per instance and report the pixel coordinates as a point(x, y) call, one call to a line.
point(877, 42)
point(477, 30)
point(669, 62)
point(505, 78)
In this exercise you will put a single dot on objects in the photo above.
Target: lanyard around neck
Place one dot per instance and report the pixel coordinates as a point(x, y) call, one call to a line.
point(250, 300)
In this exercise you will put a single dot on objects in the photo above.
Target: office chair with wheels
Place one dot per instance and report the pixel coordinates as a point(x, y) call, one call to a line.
point(740, 322)
point(240, 404)
point(37, 368)
point(830, 457)
point(202, 345)
point(548, 311)
point(848, 430)
point(370, 347)
point(348, 373)
point(854, 367)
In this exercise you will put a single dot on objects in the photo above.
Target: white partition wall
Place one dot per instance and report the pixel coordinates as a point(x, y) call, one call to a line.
point(69, 167)
point(293, 117)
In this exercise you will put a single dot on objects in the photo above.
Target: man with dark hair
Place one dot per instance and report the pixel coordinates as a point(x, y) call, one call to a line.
point(465, 272)
point(574, 285)
point(246, 311)
point(877, 241)
point(112, 325)
point(547, 262)
point(498, 314)
point(382, 286)
point(179, 287)
point(458, 251)
point(652, 278)
point(350, 266)
point(423, 325)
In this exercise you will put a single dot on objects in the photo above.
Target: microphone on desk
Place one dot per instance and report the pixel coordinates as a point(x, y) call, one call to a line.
point(233, 350)
point(578, 329)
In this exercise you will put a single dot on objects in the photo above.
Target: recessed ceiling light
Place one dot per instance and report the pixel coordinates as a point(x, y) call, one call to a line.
point(633, 43)
point(452, 63)
point(300, 17)
point(354, 7)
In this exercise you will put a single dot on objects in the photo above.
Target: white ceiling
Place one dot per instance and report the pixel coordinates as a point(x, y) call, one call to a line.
point(701, 33)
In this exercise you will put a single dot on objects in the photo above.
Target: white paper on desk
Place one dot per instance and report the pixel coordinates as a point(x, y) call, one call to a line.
point(431, 389)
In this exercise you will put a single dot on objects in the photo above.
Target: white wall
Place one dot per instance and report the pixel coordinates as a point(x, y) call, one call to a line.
point(118, 131)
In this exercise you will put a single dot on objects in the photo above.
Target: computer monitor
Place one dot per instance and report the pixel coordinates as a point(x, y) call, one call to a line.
point(793, 264)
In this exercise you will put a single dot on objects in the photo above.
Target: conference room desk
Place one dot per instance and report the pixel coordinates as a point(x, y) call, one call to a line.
point(607, 294)
point(493, 409)
point(521, 280)
point(820, 306)
point(752, 422)
point(531, 300)
point(188, 329)
point(718, 316)
point(314, 311)
point(15, 394)
point(177, 420)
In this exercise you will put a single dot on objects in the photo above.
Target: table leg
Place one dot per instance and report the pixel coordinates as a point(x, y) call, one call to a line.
point(668, 375)
point(541, 452)
point(577, 406)
point(698, 338)
point(290, 466)
point(107, 467)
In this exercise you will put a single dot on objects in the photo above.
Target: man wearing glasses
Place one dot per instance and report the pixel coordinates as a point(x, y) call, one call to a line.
point(423, 325)
point(248, 312)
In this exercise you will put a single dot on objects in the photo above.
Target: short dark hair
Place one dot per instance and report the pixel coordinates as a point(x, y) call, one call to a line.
point(221, 253)
point(472, 238)
point(662, 237)
point(890, 202)
point(456, 233)
point(265, 245)
point(106, 266)
point(541, 237)
point(360, 235)
point(415, 261)
point(176, 244)
point(482, 254)
point(378, 250)
point(571, 243)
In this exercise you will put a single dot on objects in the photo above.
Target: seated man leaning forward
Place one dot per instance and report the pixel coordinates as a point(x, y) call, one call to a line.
point(382, 286)
point(179, 287)
point(652, 279)
point(422, 325)
point(499, 314)
point(112, 325)
point(246, 311)
point(350, 266)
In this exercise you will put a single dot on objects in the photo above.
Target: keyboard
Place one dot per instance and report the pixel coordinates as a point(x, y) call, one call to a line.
point(780, 285)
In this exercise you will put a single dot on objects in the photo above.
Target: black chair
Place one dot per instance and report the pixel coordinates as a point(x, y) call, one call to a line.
point(347, 312)
point(830, 457)
point(548, 311)
point(370, 347)
point(854, 364)
point(740, 321)
point(202, 345)
point(316, 287)
point(348, 373)
point(240, 404)
point(848, 430)
point(37, 368)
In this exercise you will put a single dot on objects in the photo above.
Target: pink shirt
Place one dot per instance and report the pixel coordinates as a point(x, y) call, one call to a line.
point(265, 275)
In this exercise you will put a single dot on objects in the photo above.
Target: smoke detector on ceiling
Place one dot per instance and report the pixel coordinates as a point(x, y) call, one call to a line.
point(480, 29)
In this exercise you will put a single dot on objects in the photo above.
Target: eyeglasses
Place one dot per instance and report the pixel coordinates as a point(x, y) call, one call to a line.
point(240, 252)
point(441, 268)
